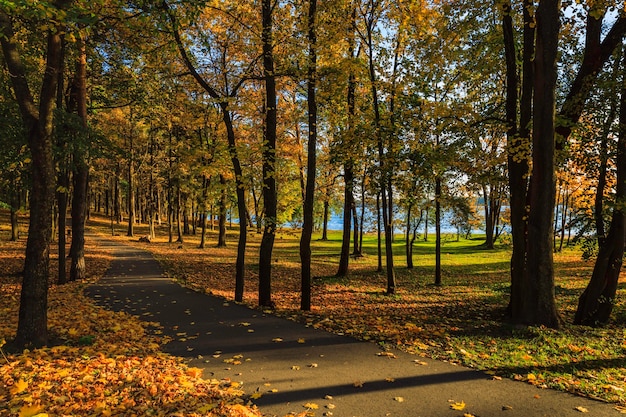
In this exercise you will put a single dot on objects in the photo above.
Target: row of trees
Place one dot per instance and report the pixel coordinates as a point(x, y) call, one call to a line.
point(291, 109)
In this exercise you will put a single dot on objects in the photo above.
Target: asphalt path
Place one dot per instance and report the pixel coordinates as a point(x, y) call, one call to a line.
point(287, 367)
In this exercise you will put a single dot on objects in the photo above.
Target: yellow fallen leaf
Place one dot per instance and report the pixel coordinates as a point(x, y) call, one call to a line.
point(458, 406)
point(194, 372)
point(311, 406)
point(256, 395)
point(18, 387)
point(277, 339)
point(30, 410)
point(301, 340)
point(581, 409)
point(399, 399)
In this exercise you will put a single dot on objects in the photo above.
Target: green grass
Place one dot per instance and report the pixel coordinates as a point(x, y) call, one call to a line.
point(462, 321)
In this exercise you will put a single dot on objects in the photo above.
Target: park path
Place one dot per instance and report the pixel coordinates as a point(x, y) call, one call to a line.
point(290, 365)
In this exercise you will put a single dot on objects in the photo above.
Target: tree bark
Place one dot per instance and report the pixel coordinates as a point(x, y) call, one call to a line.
point(32, 327)
point(596, 302)
point(78, 103)
point(539, 306)
point(269, 159)
point(438, 231)
point(518, 145)
point(309, 195)
point(221, 238)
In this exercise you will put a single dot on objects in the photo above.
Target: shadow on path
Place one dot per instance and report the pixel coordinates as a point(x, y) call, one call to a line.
point(291, 365)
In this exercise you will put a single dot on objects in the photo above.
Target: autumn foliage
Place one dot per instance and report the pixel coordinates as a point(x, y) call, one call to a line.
point(103, 363)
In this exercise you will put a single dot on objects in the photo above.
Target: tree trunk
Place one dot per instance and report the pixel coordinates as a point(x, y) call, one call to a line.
point(15, 207)
point(78, 103)
point(379, 237)
point(539, 304)
point(408, 243)
point(131, 184)
point(309, 195)
point(32, 329)
point(325, 221)
point(518, 143)
point(269, 159)
point(242, 212)
point(438, 231)
point(348, 202)
point(221, 239)
point(596, 302)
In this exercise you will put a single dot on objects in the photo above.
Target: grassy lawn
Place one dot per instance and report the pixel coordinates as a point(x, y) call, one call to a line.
point(461, 322)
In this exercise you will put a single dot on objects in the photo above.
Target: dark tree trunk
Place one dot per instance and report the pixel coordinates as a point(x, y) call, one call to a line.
point(131, 184)
point(325, 221)
point(78, 103)
point(596, 302)
point(32, 329)
point(221, 238)
point(539, 304)
point(15, 207)
point(348, 164)
point(356, 251)
point(179, 209)
point(518, 143)
point(408, 243)
point(438, 231)
point(348, 202)
point(379, 237)
point(242, 212)
point(385, 195)
point(269, 159)
point(309, 195)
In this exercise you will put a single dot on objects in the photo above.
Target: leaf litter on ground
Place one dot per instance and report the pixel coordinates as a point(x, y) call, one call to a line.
point(102, 363)
point(461, 322)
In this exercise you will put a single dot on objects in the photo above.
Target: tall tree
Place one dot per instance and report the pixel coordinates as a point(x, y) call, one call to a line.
point(532, 200)
point(596, 302)
point(224, 101)
point(78, 103)
point(37, 116)
point(307, 228)
point(270, 200)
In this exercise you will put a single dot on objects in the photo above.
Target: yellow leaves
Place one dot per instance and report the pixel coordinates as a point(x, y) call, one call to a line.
point(457, 406)
point(311, 406)
point(399, 399)
point(32, 410)
point(121, 373)
point(239, 410)
point(19, 387)
point(194, 372)
point(581, 409)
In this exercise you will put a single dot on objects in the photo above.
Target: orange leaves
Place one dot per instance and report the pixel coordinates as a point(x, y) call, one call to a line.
point(120, 372)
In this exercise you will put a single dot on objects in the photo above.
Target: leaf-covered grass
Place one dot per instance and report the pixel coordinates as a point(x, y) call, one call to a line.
point(101, 363)
point(461, 322)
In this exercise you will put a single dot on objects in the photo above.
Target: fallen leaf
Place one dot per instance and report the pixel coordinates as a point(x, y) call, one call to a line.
point(581, 409)
point(457, 406)
point(18, 387)
point(311, 406)
point(399, 399)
